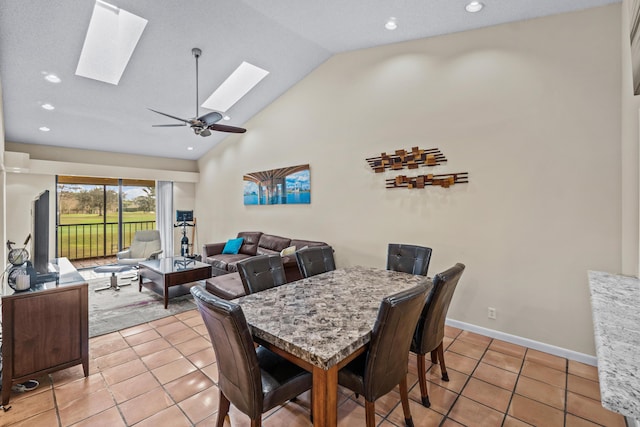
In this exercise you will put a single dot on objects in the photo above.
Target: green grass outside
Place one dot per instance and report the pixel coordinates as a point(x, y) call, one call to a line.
point(86, 241)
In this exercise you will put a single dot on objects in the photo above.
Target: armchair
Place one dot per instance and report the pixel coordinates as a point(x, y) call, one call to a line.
point(145, 245)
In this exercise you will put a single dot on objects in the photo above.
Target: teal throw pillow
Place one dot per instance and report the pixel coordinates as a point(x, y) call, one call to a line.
point(233, 246)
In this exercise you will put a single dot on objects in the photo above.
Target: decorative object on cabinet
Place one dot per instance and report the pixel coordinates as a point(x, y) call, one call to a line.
point(283, 186)
point(409, 159)
point(443, 180)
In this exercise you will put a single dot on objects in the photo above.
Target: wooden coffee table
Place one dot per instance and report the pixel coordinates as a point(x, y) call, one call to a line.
point(172, 277)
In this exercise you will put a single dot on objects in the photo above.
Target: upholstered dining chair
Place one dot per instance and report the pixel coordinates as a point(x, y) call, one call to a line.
point(253, 379)
point(384, 365)
point(408, 258)
point(261, 272)
point(315, 260)
point(429, 332)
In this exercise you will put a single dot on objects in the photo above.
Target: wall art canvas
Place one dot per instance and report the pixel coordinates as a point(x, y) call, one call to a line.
point(284, 186)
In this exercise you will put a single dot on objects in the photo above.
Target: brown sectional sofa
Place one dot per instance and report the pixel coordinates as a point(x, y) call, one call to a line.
point(255, 243)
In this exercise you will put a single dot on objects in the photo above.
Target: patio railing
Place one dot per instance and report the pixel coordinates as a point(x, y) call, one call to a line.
point(81, 241)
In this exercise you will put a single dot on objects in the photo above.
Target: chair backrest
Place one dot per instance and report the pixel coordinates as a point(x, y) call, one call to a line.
point(238, 369)
point(145, 243)
point(261, 272)
point(390, 340)
point(315, 260)
point(408, 258)
point(430, 328)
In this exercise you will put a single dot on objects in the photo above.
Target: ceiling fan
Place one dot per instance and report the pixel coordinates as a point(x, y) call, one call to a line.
point(201, 125)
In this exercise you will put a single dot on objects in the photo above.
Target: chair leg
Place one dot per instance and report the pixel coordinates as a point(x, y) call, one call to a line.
point(257, 422)
point(434, 356)
point(443, 368)
point(223, 409)
point(404, 398)
point(422, 379)
point(370, 413)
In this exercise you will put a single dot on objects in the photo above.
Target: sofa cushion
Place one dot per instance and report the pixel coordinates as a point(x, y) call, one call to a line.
point(228, 286)
point(226, 261)
point(274, 243)
point(299, 244)
point(250, 244)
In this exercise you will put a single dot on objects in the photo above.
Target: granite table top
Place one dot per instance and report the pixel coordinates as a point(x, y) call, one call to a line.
point(324, 318)
point(615, 301)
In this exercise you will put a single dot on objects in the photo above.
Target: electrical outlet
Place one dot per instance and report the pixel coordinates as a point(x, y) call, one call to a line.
point(491, 313)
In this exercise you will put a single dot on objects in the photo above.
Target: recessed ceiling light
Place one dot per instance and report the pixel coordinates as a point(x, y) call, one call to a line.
point(112, 36)
point(52, 78)
point(44, 129)
point(392, 24)
point(226, 118)
point(474, 6)
point(48, 107)
point(190, 148)
point(237, 85)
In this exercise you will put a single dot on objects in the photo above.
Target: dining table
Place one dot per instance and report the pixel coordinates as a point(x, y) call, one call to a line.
point(323, 322)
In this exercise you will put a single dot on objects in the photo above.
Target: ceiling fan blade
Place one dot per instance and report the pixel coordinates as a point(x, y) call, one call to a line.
point(168, 126)
point(225, 128)
point(170, 116)
point(205, 132)
point(210, 118)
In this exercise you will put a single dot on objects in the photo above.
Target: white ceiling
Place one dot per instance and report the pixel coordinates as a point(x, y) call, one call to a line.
point(289, 38)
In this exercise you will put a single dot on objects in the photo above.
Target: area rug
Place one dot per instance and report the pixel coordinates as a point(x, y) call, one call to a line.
point(112, 310)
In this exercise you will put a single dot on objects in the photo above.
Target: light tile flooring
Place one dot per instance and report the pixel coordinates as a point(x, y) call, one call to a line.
point(164, 373)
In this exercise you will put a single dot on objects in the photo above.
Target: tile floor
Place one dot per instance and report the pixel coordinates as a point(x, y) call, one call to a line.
point(163, 373)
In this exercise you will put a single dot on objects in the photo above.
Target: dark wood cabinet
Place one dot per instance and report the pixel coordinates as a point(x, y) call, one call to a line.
point(44, 330)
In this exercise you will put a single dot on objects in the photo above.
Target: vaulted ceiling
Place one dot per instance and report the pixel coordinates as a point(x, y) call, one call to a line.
point(288, 38)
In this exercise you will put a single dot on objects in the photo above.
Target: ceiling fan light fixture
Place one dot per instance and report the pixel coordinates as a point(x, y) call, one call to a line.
point(237, 85)
point(112, 36)
point(474, 6)
point(44, 129)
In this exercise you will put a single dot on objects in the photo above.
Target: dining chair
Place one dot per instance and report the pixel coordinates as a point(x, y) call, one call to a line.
point(384, 365)
point(429, 332)
point(315, 260)
point(253, 379)
point(408, 258)
point(261, 272)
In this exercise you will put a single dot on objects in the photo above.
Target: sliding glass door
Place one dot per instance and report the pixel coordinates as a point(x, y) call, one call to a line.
point(97, 217)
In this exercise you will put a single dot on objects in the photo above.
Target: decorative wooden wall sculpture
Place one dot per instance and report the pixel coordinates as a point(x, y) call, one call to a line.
point(445, 180)
point(412, 160)
point(409, 159)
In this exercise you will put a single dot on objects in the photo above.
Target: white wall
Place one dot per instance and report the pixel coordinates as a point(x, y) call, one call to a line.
point(532, 110)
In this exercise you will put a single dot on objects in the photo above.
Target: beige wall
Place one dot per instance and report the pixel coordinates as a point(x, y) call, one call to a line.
point(532, 110)
point(3, 224)
point(630, 126)
point(72, 155)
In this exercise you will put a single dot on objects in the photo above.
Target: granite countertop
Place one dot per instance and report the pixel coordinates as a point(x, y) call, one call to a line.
point(324, 318)
point(615, 301)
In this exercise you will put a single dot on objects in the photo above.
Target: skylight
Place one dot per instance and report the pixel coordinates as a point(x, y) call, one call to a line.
point(237, 85)
point(111, 38)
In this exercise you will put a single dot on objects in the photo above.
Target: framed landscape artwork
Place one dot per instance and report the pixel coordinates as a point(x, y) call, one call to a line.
point(284, 186)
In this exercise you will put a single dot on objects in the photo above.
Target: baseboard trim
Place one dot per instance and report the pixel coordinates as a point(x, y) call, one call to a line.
point(536, 345)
